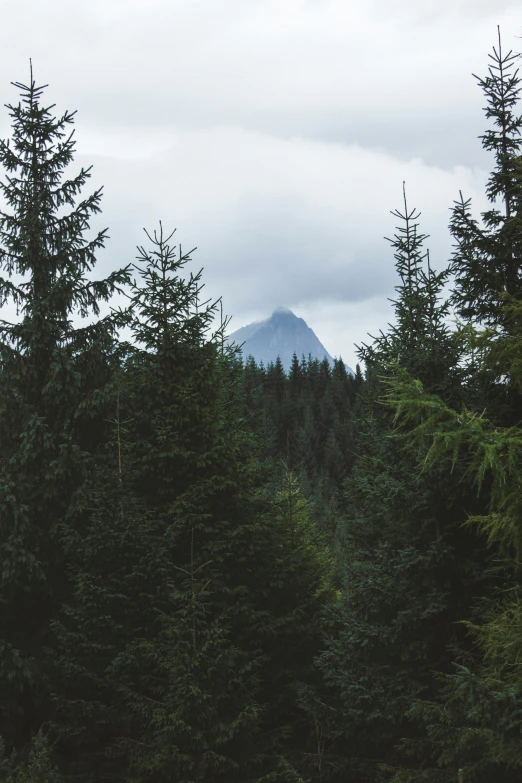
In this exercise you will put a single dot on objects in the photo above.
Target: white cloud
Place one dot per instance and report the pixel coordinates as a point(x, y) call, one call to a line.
point(274, 134)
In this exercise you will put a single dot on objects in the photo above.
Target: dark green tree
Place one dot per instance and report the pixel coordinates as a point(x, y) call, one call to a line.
point(51, 372)
point(119, 569)
point(420, 339)
point(488, 255)
point(473, 727)
point(472, 724)
point(31, 765)
point(187, 652)
point(405, 568)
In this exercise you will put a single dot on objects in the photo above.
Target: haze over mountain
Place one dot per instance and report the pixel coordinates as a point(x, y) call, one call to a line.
point(283, 334)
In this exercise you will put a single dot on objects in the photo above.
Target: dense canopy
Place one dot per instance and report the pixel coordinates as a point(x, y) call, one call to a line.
point(217, 571)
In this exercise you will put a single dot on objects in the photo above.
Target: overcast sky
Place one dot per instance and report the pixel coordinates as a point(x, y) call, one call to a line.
point(274, 135)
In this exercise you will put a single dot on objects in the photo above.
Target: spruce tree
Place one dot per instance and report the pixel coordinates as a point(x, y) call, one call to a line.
point(420, 339)
point(187, 654)
point(405, 567)
point(118, 568)
point(243, 595)
point(488, 256)
point(472, 725)
point(32, 765)
point(473, 728)
point(50, 373)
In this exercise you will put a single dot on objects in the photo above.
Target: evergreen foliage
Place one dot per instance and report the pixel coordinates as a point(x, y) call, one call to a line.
point(420, 339)
point(488, 257)
point(407, 571)
point(50, 374)
point(473, 726)
point(32, 765)
point(213, 572)
point(194, 619)
point(307, 420)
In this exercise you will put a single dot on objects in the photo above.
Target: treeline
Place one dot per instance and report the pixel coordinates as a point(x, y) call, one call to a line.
point(305, 422)
point(421, 650)
point(212, 572)
point(159, 609)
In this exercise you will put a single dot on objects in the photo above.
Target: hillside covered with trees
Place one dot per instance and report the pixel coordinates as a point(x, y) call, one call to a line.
point(217, 572)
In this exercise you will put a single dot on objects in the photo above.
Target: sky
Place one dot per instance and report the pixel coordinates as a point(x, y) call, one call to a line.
point(273, 135)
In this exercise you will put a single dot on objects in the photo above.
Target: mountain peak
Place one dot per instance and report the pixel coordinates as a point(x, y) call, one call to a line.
point(277, 336)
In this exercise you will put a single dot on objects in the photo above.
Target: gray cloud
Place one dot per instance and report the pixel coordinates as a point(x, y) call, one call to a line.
point(274, 134)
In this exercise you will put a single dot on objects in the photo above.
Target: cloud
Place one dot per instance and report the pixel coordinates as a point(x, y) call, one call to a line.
point(280, 221)
point(274, 134)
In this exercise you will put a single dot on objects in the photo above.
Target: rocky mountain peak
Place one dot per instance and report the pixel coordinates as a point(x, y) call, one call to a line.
point(283, 334)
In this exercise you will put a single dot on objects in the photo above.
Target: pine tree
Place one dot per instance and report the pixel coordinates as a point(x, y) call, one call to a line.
point(119, 569)
point(419, 339)
point(295, 374)
point(50, 375)
point(187, 653)
point(275, 390)
point(245, 599)
point(488, 257)
point(472, 724)
point(32, 765)
point(405, 567)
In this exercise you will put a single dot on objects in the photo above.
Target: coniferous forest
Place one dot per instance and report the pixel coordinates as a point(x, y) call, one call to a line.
point(218, 572)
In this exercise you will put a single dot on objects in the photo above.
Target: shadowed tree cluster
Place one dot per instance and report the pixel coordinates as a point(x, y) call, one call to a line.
point(213, 572)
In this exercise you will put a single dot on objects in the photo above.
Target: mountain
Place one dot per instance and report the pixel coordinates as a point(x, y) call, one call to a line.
point(283, 334)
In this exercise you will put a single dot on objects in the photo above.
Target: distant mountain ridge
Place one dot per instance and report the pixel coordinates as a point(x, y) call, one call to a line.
point(283, 334)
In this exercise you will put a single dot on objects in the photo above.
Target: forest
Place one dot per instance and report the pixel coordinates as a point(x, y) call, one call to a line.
point(218, 572)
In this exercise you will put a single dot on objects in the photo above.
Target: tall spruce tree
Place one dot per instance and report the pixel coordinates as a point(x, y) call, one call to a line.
point(186, 653)
point(472, 728)
point(245, 593)
point(50, 371)
point(404, 570)
point(420, 339)
point(488, 257)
